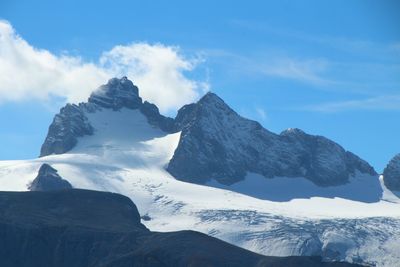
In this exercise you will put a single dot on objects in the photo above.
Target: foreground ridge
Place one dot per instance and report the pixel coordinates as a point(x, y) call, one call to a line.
point(84, 228)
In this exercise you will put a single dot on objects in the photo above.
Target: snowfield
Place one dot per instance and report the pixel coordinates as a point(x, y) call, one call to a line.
point(356, 222)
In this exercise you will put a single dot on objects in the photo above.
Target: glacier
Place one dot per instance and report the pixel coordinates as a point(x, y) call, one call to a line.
point(357, 222)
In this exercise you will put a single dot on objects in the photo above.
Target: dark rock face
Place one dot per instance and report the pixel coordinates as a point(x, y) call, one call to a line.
point(217, 143)
point(48, 179)
point(66, 127)
point(83, 228)
point(391, 174)
point(156, 119)
point(72, 123)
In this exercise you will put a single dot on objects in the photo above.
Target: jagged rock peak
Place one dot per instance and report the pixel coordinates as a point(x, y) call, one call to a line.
point(48, 179)
point(210, 97)
point(210, 110)
point(212, 102)
point(116, 94)
point(391, 174)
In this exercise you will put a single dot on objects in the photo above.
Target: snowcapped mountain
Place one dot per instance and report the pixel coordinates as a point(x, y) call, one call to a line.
point(72, 121)
point(213, 171)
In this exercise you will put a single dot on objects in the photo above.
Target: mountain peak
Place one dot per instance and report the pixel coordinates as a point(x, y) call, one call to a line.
point(212, 105)
point(116, 94)
point(211, 98)
point(73, 122)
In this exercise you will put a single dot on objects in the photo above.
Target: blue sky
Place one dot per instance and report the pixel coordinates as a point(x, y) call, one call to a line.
point(331, 68)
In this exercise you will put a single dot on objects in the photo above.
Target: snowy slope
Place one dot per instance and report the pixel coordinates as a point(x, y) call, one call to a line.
point(127, 155)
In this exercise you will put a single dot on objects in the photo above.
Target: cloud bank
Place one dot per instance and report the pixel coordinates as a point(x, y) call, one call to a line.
point(29, 73)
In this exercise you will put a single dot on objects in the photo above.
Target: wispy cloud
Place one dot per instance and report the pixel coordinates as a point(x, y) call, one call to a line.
point(309, 70)
point(343, 43)
point(323, 74)
point(358, 65)
point(386, 102)
point(262, 114)
point(27, 72)
point(395, 47)
point(271, 64)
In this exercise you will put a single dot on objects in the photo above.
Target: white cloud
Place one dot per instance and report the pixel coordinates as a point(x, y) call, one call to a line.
point(30, 73)
point(261, 113)
point(387, 102)
point(157, 70)
point(305, 70)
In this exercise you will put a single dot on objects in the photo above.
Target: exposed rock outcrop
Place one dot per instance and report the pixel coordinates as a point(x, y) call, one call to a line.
point(48, 179)
point(156, 119)
point(65, 129)
point(391, 174)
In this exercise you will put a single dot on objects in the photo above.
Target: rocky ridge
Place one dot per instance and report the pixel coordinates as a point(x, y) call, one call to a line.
point(217, 143)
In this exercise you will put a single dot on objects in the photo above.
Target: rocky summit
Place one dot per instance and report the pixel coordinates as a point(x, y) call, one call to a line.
point(116, 94)
point(391, 174)
point(48, 179)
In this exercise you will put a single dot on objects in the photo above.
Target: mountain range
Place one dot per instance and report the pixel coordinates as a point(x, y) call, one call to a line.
point(216, 142)
point(211, 170)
